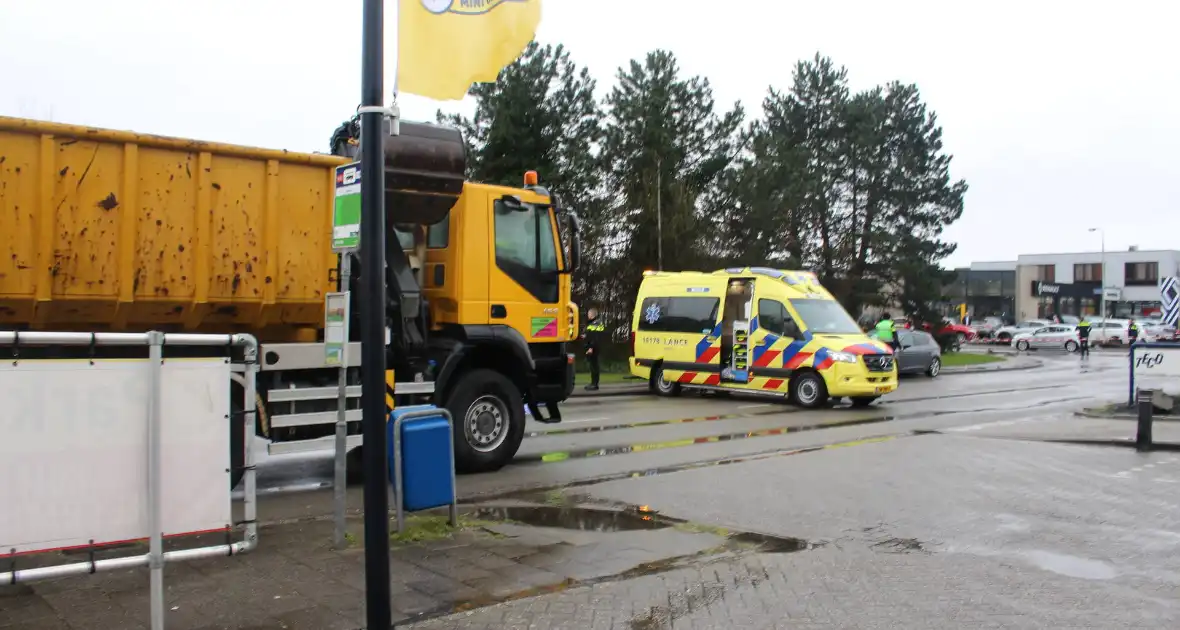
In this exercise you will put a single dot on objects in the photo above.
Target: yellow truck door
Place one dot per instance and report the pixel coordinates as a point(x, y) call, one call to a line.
point(524, 288)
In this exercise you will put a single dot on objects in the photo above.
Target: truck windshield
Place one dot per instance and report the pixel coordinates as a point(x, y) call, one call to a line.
point(825, 317)
point(525, 249)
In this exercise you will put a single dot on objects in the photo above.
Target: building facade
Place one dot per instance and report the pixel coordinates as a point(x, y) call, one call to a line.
point(1077, 284)
point(987, 288)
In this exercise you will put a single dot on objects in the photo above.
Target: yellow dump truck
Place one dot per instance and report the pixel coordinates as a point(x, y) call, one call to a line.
point(106, 230)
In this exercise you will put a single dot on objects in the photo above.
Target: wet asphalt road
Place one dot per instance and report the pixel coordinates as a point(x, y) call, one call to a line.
point(630, 436)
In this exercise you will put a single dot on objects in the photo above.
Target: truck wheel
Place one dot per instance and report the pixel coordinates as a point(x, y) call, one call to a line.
point(809, 390)
point(488, 414)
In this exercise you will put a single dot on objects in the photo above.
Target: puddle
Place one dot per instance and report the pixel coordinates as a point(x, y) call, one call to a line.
point(574, 518)
point(556, 509)
point(765, 543)
point(573, 515)
point(1071, 566)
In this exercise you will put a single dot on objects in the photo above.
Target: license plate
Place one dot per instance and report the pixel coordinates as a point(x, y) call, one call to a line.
point(881, 390)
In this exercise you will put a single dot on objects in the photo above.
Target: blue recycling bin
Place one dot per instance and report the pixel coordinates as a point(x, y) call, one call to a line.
point(423, 470)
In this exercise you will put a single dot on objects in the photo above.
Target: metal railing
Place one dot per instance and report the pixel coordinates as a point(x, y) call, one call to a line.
point(156, 557)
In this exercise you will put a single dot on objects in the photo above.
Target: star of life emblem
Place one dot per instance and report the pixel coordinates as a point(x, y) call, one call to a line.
point(652, 314)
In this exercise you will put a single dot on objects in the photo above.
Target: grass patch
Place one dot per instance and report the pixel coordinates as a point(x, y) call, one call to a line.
point(421, 529)
point(969, 358)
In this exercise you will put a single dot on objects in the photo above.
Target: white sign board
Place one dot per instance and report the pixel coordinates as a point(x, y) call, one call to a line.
point(73, 451)
point(1157, 368)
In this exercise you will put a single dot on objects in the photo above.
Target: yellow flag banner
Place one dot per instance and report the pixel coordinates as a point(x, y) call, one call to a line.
point(443, 46)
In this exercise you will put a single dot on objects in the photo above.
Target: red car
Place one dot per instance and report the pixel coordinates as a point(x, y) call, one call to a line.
point(961, 333)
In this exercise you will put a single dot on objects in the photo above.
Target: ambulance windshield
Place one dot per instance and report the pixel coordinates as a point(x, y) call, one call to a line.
point(825, 317)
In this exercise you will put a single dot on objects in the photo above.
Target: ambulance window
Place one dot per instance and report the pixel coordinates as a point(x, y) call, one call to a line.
point(678, 315)
point(773, 316)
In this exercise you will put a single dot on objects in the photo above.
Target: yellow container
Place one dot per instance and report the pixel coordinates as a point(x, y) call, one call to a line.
point(110, 230)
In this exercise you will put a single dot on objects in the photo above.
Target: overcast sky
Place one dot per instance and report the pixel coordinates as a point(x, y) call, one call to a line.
point(1061, 115)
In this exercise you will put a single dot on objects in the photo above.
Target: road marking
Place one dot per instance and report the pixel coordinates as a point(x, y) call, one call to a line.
point(561, 456)
point(988, 425)
point(585, 420)
point(753, 406)
point(653, 423)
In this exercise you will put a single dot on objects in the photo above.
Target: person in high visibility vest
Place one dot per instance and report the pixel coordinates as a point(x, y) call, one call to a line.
point(592, 340)
point(886, 331)
point(1133, 331)
point(1084, 337)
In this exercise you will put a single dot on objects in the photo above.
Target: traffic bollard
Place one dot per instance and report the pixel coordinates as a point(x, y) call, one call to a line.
point(1143, 436)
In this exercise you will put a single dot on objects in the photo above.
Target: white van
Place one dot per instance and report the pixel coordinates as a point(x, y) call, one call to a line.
point(1111, 331)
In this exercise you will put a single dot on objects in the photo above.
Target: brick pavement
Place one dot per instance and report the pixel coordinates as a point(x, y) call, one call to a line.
point(295, 580)
point(962, 530)
point(953, 531)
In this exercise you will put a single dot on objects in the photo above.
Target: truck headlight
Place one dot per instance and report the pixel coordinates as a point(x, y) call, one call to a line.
point(842, 357)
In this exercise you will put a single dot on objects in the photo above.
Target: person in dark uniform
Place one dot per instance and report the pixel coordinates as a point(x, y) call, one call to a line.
point(1084, 337)
point(1133, 331)
point(592, 340)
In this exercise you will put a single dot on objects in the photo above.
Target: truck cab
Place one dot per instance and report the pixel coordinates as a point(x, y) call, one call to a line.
point(479, 281)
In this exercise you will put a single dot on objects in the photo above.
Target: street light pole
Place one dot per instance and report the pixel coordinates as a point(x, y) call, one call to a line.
point(659, 214)
point(1102, 272)
point(378, 608)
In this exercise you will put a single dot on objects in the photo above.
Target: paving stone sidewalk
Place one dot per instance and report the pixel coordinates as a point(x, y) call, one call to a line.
point(927, 532)
point(294, 579)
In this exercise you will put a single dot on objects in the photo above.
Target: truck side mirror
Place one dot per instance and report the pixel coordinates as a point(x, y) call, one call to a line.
point(575, 252)
point(512, 203)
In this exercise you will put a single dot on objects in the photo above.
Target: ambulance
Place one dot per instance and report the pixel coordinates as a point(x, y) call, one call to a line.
point(756, 330)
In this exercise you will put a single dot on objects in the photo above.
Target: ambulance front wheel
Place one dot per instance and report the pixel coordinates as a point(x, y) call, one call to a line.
point(661, 385)
point(809, 390)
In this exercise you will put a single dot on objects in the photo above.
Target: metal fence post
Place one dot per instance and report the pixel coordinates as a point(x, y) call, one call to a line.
point(1143, 435)
point(250, 500)
point(155, 508)
point(1131, 380)
point(340, 498)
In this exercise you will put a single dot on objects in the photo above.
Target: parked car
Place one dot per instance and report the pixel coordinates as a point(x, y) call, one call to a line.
point(950, 334)
point(919, 354)
point(1006, 333)
point(1056, 336)
point(1111, 332)
point(986, 328)
point(1154, 329)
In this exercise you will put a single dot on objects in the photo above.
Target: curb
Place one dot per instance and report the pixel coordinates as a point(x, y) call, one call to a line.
point(1121, 416)
point(951, 371)
point(612, 390)
point(1170, 447)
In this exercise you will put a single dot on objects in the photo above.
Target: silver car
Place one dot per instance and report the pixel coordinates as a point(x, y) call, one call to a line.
point(1006, 333)
point(1057, 336)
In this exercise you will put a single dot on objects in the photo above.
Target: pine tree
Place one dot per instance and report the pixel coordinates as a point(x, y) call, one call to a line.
point(540, 115)
point(665, 148)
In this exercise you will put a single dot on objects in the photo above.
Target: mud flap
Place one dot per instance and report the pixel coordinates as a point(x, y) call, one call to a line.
point(535, 412)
